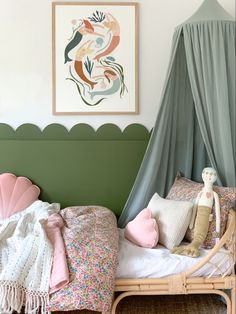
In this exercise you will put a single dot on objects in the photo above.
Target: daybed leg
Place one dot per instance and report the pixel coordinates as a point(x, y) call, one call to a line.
point(228, 300)
point(118, 299)
point(233, 300)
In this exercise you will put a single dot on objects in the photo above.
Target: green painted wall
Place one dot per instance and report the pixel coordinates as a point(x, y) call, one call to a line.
point(79, 167)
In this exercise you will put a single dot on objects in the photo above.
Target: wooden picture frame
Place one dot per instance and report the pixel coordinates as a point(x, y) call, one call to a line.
point(94, 58)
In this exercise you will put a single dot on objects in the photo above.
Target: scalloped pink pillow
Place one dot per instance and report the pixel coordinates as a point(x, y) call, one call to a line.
point(143, 230)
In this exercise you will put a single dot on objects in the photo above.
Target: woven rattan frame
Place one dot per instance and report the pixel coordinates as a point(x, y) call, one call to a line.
point(185, 283)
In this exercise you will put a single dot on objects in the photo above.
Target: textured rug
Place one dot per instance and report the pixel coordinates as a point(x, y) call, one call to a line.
point(184, 304)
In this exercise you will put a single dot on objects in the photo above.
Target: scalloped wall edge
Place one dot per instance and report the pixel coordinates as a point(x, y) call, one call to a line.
point(80, 131)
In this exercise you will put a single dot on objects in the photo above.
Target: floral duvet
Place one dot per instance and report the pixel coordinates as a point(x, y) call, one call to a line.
point(91, 243)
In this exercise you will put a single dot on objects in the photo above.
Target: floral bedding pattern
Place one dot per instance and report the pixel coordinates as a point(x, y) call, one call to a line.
point(91, 242)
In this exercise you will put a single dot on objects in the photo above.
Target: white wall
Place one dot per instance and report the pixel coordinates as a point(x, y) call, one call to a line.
point(25, 61)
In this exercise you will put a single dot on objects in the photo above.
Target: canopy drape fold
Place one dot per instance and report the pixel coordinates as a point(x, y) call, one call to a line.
point(209, 48)
point(195, 125)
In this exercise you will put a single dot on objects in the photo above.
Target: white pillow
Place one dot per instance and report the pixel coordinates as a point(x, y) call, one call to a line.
point(173, 218)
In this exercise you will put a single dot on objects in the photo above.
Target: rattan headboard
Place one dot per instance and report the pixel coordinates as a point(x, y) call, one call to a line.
point(79, 167)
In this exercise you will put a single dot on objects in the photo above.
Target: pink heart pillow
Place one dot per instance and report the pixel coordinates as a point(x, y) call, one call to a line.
point(143, 230)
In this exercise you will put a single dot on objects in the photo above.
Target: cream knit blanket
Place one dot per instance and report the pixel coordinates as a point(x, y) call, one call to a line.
point(25, 261)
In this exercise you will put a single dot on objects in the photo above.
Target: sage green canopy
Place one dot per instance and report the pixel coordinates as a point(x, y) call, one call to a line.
point(195, 126)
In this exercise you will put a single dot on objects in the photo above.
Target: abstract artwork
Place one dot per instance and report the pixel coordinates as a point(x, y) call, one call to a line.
point(95, 58)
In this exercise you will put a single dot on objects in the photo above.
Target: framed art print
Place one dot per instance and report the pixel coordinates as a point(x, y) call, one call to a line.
point(95, 58)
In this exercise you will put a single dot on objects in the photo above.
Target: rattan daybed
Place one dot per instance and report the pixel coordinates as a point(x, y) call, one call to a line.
point(186, 282)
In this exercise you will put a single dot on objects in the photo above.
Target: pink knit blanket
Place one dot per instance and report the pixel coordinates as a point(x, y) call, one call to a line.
point(91, 242)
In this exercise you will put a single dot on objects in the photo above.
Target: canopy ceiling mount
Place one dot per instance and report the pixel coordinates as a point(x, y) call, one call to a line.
point(210, 10)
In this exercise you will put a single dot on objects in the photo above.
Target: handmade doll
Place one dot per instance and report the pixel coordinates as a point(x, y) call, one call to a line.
point(202, 208)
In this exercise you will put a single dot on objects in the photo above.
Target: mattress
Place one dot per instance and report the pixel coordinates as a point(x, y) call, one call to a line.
point(138, 262)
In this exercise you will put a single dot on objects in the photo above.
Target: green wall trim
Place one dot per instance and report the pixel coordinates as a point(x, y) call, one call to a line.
point(76, 167)
point(81, 131)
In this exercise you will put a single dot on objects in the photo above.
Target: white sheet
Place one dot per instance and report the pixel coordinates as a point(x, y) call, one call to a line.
point(138, 262)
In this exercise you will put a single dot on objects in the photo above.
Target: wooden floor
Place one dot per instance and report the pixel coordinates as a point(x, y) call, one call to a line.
point(190, 304)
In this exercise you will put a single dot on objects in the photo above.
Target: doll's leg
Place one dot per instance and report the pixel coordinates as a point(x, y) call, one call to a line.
point(200, 233)
point(201, 225)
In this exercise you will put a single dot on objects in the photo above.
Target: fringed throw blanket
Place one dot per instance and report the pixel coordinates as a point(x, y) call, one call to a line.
point(25, 260)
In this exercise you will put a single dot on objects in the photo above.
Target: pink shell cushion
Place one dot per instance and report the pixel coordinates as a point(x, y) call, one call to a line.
point(143, 230)
point(16, 194)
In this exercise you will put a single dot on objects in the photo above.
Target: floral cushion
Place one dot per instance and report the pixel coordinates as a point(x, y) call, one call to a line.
point(184, 189)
